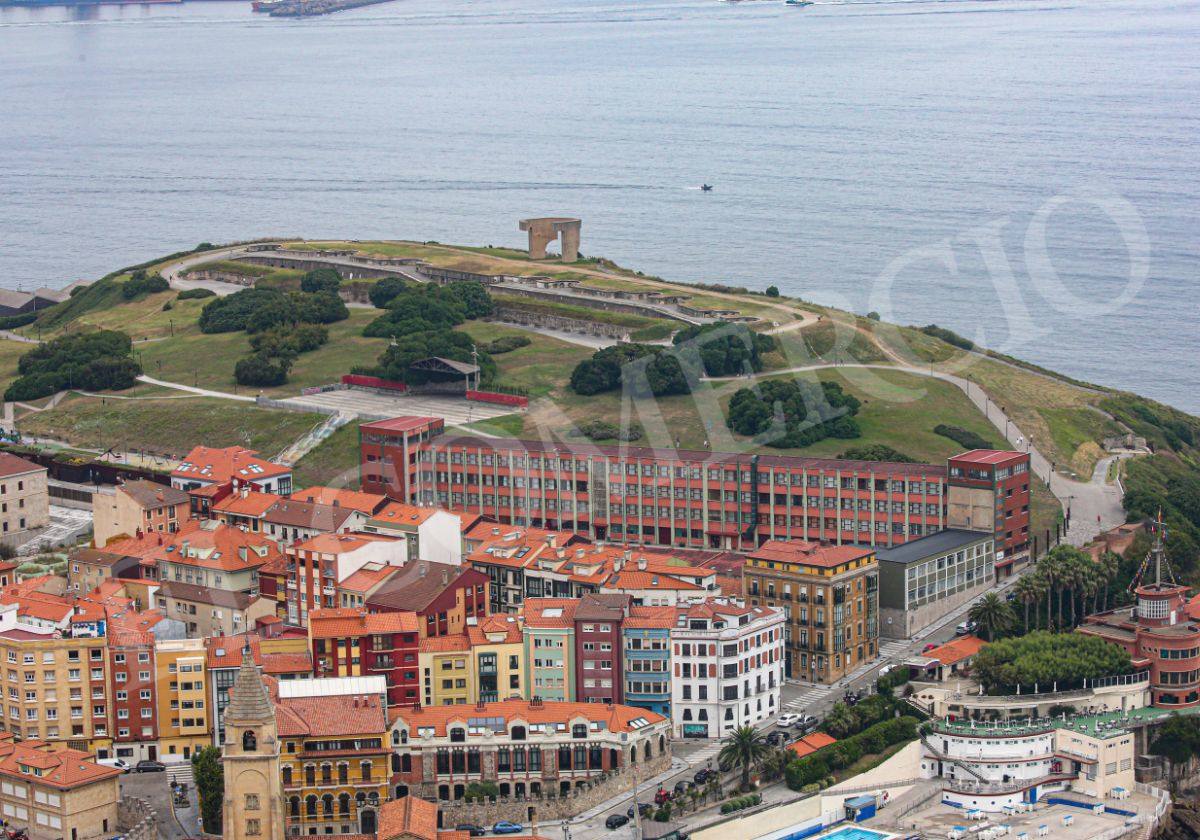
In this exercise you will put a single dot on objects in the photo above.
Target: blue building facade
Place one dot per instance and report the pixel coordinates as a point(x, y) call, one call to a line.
point(647, 665)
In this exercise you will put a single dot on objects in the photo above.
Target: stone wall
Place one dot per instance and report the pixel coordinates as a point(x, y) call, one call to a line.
point(550, 806)
point(510, 315)
point(136, 819)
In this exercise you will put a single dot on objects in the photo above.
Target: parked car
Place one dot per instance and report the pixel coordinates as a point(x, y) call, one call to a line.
point(777, 738)
point(807, 722)
point(645, 809)
point(506, 827)
point(788, 720)
point(119, 763)
point(615, 821)
point(724, 766)
point(701, 775)
point(965, 629)
point(148, 766)
point(929, 647)
point(886, 669)
point(473, 830)
point(682, 786)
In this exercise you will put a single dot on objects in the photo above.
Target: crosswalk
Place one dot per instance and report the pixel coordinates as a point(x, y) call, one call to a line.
point(701, 756)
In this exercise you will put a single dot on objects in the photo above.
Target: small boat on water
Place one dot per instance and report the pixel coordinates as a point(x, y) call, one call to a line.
point(797, 2)
point(706, 187)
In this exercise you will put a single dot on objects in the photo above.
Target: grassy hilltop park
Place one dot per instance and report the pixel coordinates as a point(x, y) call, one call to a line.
point(899, 408)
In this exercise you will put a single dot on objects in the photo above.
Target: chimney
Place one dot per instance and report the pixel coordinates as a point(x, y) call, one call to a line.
point(445, 577)
point(422, 569)
point(245, 490)
point(183, 548)
point(160, 539)
point(642, 564)
point(138, 533)
point(627, 554)
point(495, 532)
point(551, 540)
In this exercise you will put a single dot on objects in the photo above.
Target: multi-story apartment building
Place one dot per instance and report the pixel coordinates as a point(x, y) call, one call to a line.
point(681, 498)
point(56, 794)
point(728, 667)
point(527, 747)
point(498, 658)
point(365, 503)
point(447, 678)
point(205, 467)
point(131, 689)
point(830, 599)
point(289, 521)
point(87, 568)
point(598, 648)
point(307, 577)
point(646, 643)
point(181, 691)
point(286, 657)
point(141, 505)
point(211, 612)
point(334, 753)
point(549, 639)
point(55, 685)
point(429, 533)
point(214, 555)
point(24, 497)
point(988, 490)
point(353, 642)
point(445, 598)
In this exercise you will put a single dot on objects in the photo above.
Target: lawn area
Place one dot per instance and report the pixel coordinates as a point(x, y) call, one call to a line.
point(828, 340)
point(1076, 432)
point(168, 427)
point(10, 352)
point(334, 462)
point(145, 318)
point(542, 367)
point(207, 361)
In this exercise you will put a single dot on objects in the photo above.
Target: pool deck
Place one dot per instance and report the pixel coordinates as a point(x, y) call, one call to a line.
point(1104, 725)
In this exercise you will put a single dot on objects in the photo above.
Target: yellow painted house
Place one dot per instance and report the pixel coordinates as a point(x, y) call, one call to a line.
point(181, 682)
point(498, 658)
point(447, 678)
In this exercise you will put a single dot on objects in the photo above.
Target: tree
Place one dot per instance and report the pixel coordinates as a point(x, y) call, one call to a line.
point(993, 616)
point(745, 747)
point(1028, 591)
point(841, 721)
point(385, 290)
point(210, 786)
point(1047, 659)
point(1178, 741)
point(262, 371)
point(321, 280)
point(724, 349)
point(473, 296)
point(772, 291)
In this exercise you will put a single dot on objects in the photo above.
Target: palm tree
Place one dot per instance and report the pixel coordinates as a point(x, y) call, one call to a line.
point(1028, 592)
point(1046, 571)
point(1110, 565)
point(993, 616)
point(744, 747)
point(840, 721)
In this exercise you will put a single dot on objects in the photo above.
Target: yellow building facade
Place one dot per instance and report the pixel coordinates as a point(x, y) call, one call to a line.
point(183, 713)
point(447, 675)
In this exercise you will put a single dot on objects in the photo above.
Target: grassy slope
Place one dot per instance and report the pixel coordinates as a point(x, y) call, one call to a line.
point(540, 368)
point(334, 462)
point(167, 426)
point(10, 352)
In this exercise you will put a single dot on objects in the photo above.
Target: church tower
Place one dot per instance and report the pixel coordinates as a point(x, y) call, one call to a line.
point(253, 807)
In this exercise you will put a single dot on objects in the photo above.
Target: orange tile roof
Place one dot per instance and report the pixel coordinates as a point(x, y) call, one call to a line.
point(616, 718)
point(652, 617)
point(350, 621)
point(634, 579)
point(325, 716)
point(808, 553)
point(216, 546)
point(226, 652)
point(810, 743)
point(956, 650)
point(367, 577)
point(398, 513)
point(408, 816)
point(221, 465)
point(150, 543)
point(562, 612)
point(341, 497)
point(40, 606)
point(64, 769)
point(11, 465)
point(245, 503)
point(338, 543)
point(506, 627)
point(445, 644)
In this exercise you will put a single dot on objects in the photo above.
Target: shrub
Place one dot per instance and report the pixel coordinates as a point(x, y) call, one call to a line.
point(481, 791)
point(140, 284)
point(948, 336)
point(810, 412)
point(876, 452)
point(963, 437)
point(11, 322)
point(320, 308)
point(321, 280)
point(603, 430)
point(475, 300)
point(232, 312)
point(384, 290)
point(660, 374)
point(725, 349)
point(506, 344)
point(654, 332)
point(772, 291)
point(289, 341)
point(261, 370)
point(195, 294)
point(98, 361)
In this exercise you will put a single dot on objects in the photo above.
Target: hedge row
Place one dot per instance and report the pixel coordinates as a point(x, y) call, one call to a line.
point(740, 803)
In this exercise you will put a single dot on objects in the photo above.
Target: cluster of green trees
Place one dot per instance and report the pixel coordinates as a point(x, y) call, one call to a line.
point(843, 720)
point(948, 336)
point(282, 325)
point(640, 368)
point(876, 452)
point(141, 284)
point(394, 363)
point(1178, 741)
point(1169, 481)
point(1047, 659)
point(815, 768)
point(809, 412)
point(964, 437)
point(414, 307)
point(723, 349)
point(97, 361)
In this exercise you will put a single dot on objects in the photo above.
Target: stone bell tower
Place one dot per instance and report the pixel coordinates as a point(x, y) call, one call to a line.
point(253, 807)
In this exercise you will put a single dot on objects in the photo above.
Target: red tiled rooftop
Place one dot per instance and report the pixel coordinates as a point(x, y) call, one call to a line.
point(956, 650)
point(349, 621)
point(399, 424)
point(221, 465)
point(988, 456)
point(809, 554)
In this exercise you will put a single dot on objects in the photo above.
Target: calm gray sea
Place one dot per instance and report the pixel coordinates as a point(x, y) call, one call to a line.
point(1024, 171)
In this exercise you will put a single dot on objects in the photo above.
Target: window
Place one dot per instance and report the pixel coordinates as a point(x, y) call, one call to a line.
point(253, 827)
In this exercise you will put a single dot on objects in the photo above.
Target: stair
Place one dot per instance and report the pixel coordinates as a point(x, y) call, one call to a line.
point(940, 757)
point(313, 438)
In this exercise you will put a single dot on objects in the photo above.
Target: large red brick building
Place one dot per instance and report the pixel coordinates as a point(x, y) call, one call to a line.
point(690, 498)
point(988, 489)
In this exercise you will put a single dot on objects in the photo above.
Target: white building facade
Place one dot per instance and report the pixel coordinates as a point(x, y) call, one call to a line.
point(727, 667)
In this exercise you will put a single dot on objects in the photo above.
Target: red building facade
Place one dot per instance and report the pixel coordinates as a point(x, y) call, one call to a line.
point(353, 643)
point(132, 693)
point(599, 665)
point(681, 498)
point(992, 486)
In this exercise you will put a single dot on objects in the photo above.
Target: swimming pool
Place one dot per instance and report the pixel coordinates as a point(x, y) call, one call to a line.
point(854, 833)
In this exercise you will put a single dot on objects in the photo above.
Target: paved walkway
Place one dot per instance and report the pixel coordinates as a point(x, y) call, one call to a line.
point(203, 392)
